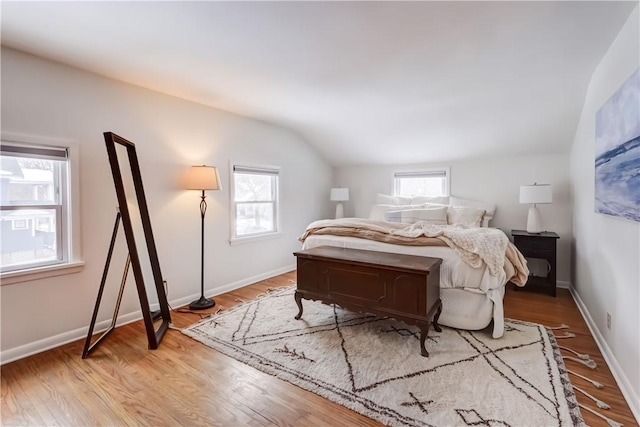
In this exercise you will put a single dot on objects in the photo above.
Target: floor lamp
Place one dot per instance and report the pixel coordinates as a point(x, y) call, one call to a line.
point(203, 178)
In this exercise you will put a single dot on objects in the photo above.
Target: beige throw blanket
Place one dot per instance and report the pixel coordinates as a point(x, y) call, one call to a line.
point(475, 246)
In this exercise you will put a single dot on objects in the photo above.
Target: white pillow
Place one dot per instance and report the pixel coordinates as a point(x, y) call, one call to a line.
point(435, 205)
point(383, 199)
point(463, 215)
point(488, 207)
point(426, 199)
point(437, 216)
point(377, 211)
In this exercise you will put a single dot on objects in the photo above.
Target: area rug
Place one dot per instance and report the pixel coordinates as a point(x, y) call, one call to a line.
point(373, 365)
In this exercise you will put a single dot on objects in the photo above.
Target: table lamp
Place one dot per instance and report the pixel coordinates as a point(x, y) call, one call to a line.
point(535, 194)
point(339, 195)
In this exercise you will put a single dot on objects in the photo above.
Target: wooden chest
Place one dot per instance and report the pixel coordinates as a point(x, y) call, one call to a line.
point(404, 287)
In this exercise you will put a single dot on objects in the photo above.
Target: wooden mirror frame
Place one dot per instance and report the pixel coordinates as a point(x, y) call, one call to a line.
point(154, 336)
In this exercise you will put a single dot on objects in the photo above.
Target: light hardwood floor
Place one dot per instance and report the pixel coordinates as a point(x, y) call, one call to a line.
point(187, 383)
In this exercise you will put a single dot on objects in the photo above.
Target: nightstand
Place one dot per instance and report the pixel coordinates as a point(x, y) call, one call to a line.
point(539, 246)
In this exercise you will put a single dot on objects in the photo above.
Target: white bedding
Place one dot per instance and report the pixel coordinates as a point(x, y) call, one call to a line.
point(467, 310)
point(454, 274)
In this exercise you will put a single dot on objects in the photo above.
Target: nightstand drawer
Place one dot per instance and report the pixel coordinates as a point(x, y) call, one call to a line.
point(534, 244)
point(538, 253)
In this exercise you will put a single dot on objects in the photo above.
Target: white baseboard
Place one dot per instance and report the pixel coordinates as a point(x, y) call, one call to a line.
point(563, 284)
point(618, 374)
point(44, 344)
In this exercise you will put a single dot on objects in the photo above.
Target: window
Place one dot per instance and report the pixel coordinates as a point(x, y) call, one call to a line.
point(33, 203)
point(18, 224)
point(430, 183)
point(255, 201)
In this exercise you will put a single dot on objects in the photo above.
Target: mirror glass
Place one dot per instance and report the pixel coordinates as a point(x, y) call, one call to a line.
point(136, 223)
point(137, 227)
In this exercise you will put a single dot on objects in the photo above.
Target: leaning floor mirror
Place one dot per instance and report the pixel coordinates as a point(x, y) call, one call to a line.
point(143, 256)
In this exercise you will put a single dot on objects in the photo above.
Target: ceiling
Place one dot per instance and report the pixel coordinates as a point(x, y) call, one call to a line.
point(362, 82)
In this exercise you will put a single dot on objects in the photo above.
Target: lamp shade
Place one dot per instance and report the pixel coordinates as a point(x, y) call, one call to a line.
point(203, 178)
point(536, 194)
point(339, 194)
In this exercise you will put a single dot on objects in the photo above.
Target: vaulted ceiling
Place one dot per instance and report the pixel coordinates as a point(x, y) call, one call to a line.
point(363, 82)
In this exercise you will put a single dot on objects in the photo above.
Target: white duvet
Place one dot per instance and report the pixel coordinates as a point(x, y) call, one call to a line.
point(454, 272)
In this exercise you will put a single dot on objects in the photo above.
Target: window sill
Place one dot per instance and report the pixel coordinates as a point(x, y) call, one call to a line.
point(38, 273)
point(257, 238)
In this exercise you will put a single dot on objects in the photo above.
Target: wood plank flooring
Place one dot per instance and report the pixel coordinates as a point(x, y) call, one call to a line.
point(187, 383)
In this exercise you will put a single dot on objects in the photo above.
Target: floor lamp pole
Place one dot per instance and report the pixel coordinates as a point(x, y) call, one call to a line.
point(203, 302)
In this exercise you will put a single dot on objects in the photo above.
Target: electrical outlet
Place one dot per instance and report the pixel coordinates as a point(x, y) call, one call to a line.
point(609, 321)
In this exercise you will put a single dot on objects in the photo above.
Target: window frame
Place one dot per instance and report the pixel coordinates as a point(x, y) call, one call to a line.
point(247, 168)
point(67, 209)
point(422, 172)
point(14, 221)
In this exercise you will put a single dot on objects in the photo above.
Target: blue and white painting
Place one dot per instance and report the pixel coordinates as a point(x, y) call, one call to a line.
point(618, 152)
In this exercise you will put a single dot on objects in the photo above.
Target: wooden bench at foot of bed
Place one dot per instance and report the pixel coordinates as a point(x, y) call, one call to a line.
point(405, 287)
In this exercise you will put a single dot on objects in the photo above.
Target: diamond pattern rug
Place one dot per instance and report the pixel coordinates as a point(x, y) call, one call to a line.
point(373, 365)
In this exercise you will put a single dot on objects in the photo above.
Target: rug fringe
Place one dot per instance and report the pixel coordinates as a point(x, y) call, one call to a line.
point(272, 289)
point(595, 383)
point(588, 363)
point(187, 311)
point(582, 356)
point(562, 326)
point(611, 422)
point(599, 403)
point(267, 293)
point(566, 335)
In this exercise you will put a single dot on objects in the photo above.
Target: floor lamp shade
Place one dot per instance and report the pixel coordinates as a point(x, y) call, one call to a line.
point(339, 195)
point(534, 195)
point(202, 178)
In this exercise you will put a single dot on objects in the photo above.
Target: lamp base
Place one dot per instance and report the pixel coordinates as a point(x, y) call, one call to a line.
point(534, 225)
point(339, 211)
point(202, 304)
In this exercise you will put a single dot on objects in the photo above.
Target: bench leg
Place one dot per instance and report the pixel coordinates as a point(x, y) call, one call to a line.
point(436, 317)
point(298, 297)
point(424, 330)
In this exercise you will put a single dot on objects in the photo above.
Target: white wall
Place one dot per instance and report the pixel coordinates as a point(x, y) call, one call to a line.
point(495, 180)
point(607, 249)
point(42, 98)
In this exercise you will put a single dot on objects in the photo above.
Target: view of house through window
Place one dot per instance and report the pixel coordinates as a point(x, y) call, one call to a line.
point(421, 183)
point(255, 200)
point(33, 200)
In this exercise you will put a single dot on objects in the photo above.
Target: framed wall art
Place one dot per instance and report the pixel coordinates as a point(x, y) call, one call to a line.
point(617, 152)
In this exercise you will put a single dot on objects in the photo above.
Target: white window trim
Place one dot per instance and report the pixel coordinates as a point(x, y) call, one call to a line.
point(445, 169)
point(37, 273)
point(14, 221)
point(74, 262)
point(238, 240)
point(256, 238)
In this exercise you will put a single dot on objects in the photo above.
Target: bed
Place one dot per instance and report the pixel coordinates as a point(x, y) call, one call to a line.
point(472, 287)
